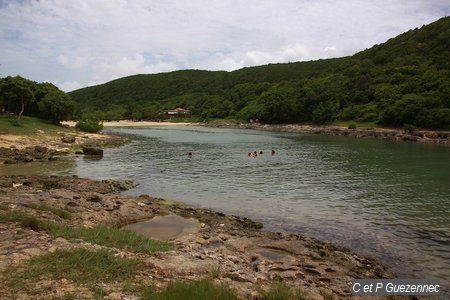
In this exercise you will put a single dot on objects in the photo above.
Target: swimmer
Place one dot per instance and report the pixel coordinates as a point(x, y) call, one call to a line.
point(249, 154)
point(260, 152)
point(190, 155)
point(255, 154)
point(273, 152)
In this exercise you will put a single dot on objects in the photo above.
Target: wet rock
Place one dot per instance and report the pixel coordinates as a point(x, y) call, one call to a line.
point(442, 135)
point(40, 149)
point(92, 151)
point(27, 158)
point(94, 198)
point(10, 161)
point(419, 133)
point(120, 185)
point(410, 138)
point(68, 139)
point(431, 134)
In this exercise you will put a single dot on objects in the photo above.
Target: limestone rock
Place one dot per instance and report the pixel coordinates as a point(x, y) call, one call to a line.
point(68, 139)
point(92, 151)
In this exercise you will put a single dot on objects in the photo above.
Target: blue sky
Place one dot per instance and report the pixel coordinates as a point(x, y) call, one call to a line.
point(80, 43)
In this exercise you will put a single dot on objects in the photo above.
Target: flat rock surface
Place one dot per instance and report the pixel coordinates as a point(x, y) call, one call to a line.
point(247, 258)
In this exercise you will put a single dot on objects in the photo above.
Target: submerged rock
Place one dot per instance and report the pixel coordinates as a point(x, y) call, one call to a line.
point(410, 138)
point(92, 151)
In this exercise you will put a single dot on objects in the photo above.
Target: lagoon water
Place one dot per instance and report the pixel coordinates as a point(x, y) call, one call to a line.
point(384, 199)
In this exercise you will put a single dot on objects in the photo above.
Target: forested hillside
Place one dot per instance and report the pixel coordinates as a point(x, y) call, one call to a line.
point(403, 81)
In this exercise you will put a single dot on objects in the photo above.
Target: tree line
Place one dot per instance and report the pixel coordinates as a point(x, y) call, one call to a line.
point(20, 96)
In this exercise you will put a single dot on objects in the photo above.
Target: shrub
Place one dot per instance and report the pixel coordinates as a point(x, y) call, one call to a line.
point(408, 128)
point(352, 125)
point(90, 126)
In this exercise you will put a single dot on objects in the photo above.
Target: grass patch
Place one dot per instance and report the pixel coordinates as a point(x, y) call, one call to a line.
point(196, 290)
point(282, 291)
point(23, 219)
point(80, 266)
point(98, 293)
point(101, 235)
point(62, 213)
point(28, 125)
point(112, 237)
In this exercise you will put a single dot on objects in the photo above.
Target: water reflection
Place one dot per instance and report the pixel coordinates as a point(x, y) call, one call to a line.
point(61, 166)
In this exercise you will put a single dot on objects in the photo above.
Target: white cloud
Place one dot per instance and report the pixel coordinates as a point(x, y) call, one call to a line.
point(72, 62)
point(68, 86)
point(130, 65)
point(94, 41)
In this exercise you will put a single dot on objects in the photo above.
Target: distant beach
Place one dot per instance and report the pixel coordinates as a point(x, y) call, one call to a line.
point(128, 123)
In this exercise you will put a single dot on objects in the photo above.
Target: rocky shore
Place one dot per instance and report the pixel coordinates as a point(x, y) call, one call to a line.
point(41, 147)
point(421, 136)
point(228, 249)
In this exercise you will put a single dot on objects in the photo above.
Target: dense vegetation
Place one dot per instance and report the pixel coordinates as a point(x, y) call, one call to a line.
point(403, 81)
point(44, 100)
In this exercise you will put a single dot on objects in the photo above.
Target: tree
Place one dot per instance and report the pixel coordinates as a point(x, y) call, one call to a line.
point(56, 105)
point(18, 91)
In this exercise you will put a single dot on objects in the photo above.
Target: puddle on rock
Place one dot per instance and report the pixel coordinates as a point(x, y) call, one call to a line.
point(165, 228)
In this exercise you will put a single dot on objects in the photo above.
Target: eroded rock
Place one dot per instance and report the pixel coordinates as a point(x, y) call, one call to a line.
point(92, 151)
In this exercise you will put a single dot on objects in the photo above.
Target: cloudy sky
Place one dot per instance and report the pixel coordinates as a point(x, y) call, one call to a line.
point(76, 43)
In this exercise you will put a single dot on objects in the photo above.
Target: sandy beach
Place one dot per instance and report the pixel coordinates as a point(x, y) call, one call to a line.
point(128, 123)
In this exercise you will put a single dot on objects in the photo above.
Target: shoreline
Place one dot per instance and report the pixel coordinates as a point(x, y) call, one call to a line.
point(439, 137)
point(420, 136)
point(249, 258)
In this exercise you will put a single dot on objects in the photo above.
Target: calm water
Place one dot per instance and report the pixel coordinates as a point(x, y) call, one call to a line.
point(384, 199)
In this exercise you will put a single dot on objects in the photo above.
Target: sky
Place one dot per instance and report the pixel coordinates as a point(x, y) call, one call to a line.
point(78, 43)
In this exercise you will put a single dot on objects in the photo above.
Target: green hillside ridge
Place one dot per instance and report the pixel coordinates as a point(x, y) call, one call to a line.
point(402, 81)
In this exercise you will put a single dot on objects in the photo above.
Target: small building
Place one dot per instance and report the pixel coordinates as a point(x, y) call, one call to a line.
point(178, 112)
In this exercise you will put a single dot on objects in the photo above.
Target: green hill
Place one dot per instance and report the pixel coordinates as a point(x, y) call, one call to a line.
point(402, 81)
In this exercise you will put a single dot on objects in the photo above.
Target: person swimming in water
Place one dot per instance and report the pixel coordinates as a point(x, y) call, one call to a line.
point(273, 152)
point(260, 152)
point(255, 153)
point(190, 155)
